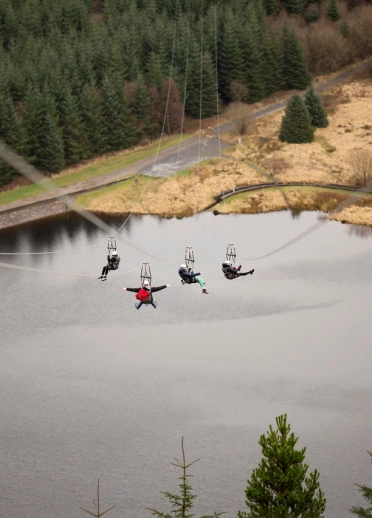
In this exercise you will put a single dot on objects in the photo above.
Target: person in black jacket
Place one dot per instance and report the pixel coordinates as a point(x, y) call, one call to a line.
point(144, 293)
point(112, 264)
point(189, 277)
point(232, 272)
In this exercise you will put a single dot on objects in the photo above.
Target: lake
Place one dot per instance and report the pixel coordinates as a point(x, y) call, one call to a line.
point(92, 388)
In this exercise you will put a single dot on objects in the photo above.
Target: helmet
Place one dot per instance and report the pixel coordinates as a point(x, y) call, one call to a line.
point(183, 266)
point(114, 252)
point(226, 263)
point(146, 284)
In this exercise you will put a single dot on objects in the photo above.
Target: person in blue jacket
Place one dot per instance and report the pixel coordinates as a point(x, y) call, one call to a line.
point(189, 277)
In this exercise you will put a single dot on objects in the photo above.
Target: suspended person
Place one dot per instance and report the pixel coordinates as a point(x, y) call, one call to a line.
point(232, 272)
point(189, 277)
point(144, 293)
point(113, 262)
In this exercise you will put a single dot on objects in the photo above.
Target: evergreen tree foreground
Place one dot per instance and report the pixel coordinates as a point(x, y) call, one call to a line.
point(182, 504)
point(280, 486)
point(296, 125)
point(367, 495)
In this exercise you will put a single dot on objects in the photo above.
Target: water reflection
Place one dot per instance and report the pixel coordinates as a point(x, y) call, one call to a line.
point(361, 231)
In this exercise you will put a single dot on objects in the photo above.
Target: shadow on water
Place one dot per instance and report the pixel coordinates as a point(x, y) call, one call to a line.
point(45, 235)
point(359, 231)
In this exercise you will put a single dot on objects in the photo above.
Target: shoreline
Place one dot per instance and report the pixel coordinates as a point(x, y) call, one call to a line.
point(46, 209)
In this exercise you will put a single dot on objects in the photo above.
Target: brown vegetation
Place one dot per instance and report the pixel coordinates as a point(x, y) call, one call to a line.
point(361, 163)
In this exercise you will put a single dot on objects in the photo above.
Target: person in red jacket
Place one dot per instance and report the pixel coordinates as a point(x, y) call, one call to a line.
point(144, 294)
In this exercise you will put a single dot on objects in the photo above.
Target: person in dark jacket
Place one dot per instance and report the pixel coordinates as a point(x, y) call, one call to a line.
point(232, 272)
point(112, 264)
point(144, 294)
point(189, 277)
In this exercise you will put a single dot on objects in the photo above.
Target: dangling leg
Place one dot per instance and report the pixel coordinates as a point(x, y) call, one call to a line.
point(153, 304)
point(104, 273)
point(138, 304)
point(202, 284)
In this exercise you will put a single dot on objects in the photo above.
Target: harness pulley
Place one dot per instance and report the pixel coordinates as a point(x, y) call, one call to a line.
point(231, 253)
point(111, 245)
point(189, 258)
point(146, 274)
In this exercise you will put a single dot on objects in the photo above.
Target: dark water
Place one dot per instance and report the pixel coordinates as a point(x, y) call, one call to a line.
point(92, 388)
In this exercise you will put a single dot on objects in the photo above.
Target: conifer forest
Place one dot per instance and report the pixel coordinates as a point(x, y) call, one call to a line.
point(81, 78)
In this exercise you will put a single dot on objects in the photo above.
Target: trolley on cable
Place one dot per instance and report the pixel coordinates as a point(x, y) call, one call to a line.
point(189, 258)
point(146, 275)
point(231, 254)
point(111, 245)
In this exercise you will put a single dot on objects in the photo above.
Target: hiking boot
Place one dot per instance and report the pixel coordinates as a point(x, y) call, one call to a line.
point(205, 291)
point(251, 272)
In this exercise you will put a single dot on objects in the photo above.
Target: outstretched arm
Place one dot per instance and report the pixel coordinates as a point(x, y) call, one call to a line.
point(160, 288)
point(135, 290)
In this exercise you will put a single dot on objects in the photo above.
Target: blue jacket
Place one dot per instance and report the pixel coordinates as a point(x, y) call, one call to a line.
point(187, 276)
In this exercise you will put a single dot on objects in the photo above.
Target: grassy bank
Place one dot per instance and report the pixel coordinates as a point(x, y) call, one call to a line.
point(98, 168)
point(299, 199)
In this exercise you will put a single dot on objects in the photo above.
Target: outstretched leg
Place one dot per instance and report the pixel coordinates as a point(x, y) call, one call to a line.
point(245, 273)
point(138, 304)
point(154, 304)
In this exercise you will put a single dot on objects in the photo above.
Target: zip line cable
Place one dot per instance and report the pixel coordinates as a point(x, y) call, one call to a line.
point(52, 272)
point(200, 115)
point(22, 166)
point(322, 219)
point(37, 177)
point(218, 108)
point(182, 119)
point(163, 125)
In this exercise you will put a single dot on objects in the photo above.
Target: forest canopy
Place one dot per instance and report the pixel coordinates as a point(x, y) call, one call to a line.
point(81, 78)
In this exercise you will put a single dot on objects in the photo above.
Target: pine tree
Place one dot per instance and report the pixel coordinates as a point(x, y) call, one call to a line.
point(50, 155)
point(280, 487)
point(271, 63)
point(155, 71)
point(230, 63)
point(318, 115)
point(296, 123)
point(253, 78)
point(91, 115)
point(183, 503)
point(209, 97)
point(142, 100)
point(33, 116)
point(11, 133)
point(313, 14)
point(367, 495)
point(344, 28)
point(271, 7)
point(192, 107)
point(74, 132)
point(332, 11)
point(117, 126)
point(295, 72)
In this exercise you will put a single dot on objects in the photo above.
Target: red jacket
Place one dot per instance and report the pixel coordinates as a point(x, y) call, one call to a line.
point(143, 295)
